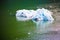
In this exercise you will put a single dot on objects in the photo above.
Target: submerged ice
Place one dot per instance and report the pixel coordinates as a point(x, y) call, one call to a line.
point(34, 15)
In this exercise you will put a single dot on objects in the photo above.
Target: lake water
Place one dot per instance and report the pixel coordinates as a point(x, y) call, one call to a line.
point(12, 29)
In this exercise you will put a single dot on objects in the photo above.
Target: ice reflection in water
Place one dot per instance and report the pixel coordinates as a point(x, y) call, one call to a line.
point(43, 26)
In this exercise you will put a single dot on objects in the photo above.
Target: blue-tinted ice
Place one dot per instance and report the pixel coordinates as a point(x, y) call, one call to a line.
point(34, 15)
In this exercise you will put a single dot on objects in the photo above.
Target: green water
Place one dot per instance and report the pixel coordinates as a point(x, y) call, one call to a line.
point(11, 29)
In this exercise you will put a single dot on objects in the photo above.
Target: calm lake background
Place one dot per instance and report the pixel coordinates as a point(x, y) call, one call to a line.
point(11, 29)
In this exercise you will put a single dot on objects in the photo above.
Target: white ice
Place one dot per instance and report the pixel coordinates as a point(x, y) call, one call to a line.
point(34, 15)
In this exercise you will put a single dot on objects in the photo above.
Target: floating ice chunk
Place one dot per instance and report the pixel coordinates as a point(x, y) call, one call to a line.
point(43, 15)
point(34, 15)
point(23, 15)
point(48, 14)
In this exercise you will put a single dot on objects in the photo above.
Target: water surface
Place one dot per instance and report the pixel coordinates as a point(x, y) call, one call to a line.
point(12, 29)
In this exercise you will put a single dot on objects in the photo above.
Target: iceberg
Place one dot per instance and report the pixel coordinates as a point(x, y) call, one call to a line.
point(34, 15)
point(43, 15)
point(24, 15)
